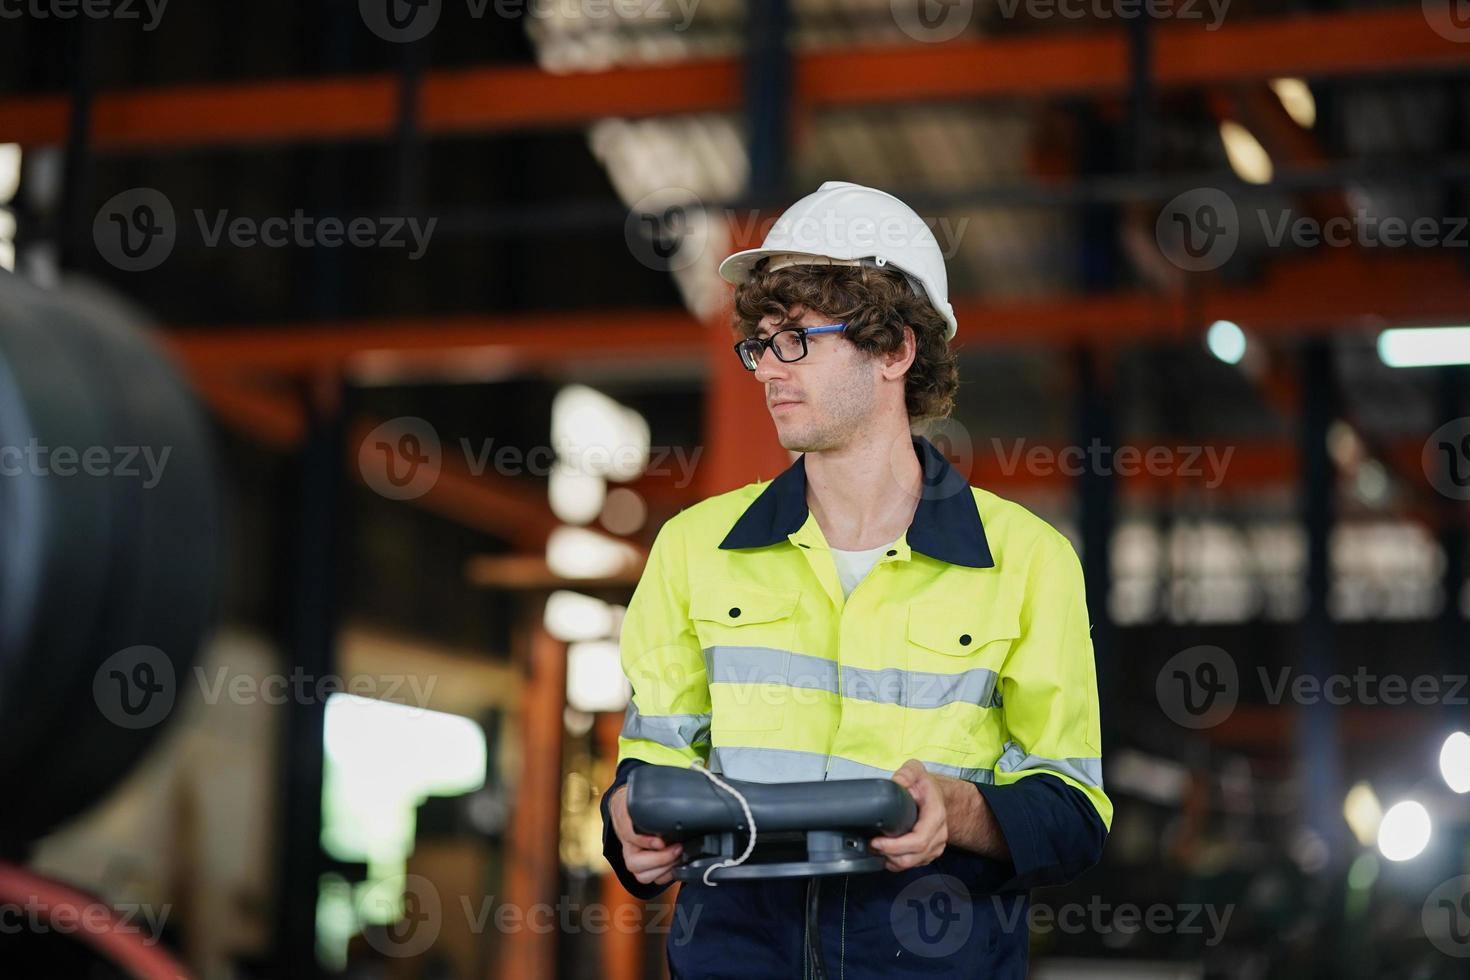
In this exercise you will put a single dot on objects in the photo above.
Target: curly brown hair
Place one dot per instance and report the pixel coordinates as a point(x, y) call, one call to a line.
point(875, 304)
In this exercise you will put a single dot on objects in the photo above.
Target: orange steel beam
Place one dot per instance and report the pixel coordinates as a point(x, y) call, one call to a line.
point(532, 855)
point(270, 419)
point(622, 948)
point(525, 341)
point(1333, 291)
point(500, 507)
point(500, 98)
point(497, 505)
point(740, 442)
point(366, 107)
point(1179, 463)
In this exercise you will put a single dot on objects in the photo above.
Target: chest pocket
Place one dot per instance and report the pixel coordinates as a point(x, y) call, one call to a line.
point(747, 634)
point(955, 655)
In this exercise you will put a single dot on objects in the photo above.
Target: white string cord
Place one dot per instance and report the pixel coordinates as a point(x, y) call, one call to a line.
point(698, 766)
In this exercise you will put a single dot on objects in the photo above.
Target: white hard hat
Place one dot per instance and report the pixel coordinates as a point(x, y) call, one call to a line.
point(848, 224)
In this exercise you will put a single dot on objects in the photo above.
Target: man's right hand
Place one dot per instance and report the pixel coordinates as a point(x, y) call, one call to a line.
point(647, 856)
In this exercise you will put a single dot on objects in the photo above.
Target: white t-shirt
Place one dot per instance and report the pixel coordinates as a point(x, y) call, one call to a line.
point(853, 566)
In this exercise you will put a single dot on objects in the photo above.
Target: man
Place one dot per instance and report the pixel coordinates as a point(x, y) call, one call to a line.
point(866, 613)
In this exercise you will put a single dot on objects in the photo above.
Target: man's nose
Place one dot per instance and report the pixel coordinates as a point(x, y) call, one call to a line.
point(769, 367)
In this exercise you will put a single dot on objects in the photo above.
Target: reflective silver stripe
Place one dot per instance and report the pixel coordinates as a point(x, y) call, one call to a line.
point(847, 769)
point(970, 775)
point(672, 731)
point(1088, 772)
point(888, 685)
point(768, 765)
point(812, 673)
point(764, 665)
point(746, 665)
point(919, 688)
point(792, 766)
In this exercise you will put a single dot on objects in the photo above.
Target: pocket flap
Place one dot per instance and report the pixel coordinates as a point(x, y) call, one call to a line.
point(951, 628)
point(740, 605)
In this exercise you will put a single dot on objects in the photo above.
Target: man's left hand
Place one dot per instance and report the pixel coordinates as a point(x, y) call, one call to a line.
point(930, 832)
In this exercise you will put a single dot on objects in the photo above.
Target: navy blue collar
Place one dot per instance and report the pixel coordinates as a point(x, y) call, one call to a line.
point(946, 523)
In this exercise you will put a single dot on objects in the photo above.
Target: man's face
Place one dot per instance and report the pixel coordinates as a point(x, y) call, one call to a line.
point(821, 401)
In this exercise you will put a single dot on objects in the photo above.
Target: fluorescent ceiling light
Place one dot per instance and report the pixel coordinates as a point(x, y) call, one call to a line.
point(1248, 158)
point(1226, 341)
point(1454, 762)
point(1296, 98)
point(1405, 831)
point(1424, 346)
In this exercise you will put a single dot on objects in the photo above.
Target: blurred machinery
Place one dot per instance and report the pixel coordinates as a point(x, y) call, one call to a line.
point(108, 518)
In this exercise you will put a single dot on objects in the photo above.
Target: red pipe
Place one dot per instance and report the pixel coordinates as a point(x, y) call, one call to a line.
point(100, 928)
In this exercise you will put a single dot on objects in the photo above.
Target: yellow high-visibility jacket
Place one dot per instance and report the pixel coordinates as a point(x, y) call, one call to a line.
point(967, 646)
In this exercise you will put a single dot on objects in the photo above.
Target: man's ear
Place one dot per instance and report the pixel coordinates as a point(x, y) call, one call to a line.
point(897, 361)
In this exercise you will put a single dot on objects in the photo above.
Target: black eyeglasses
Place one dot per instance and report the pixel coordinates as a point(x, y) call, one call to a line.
point(788, 345)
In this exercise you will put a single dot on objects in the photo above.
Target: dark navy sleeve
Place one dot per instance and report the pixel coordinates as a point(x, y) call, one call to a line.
point(612, 848)
point(1053, 830)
